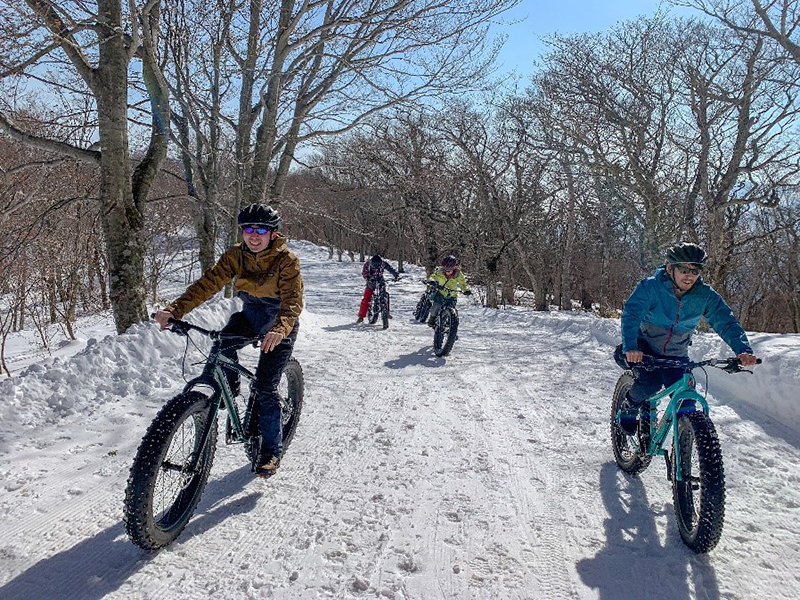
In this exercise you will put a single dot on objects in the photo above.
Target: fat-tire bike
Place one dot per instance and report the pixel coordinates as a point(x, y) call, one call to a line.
point(379, 305)
point(445, 325)
point(423, 307)
point(693, 456)
point(173, 461)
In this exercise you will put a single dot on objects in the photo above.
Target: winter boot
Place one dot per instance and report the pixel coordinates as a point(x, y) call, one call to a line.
point(267, 469)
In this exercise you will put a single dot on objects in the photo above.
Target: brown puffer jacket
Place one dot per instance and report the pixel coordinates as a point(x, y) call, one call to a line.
point(272, 273)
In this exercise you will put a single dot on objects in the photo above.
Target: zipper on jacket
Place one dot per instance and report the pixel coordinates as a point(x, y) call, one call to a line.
point(671, 329)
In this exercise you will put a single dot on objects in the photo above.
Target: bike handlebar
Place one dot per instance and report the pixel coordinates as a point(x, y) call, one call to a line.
point(180, 327)
point(730, 365)
point(438, 286)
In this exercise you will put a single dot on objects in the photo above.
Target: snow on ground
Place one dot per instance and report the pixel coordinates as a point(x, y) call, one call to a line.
point(487, 474)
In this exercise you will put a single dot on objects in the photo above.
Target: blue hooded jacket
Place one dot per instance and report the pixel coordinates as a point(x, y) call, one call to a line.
point(657, 322)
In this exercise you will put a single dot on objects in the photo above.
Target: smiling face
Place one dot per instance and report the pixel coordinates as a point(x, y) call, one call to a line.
point(255, 240)
point(683, 275)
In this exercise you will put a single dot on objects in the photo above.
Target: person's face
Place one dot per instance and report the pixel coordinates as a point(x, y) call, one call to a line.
point(685, 275)
point(450, 273)
point(257, 238)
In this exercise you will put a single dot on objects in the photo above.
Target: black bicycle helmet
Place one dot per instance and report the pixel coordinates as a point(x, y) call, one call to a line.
point(686, 252)
point(450, 262)
point(376, 261)
point(259, 214)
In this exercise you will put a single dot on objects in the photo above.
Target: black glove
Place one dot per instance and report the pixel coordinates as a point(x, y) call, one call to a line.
point(468, 292)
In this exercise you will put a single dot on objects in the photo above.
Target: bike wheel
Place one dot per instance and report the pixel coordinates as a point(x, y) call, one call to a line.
point(627, 452)
point(291, 390)
point(423, 308)
point(424, 311)
point(444, 335)
point(385, 311)
point(162, 492)
point(417, 307)
point(374, 310)
point(699, 497)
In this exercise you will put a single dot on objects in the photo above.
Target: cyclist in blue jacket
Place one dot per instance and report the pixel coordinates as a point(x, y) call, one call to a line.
point(660, 317)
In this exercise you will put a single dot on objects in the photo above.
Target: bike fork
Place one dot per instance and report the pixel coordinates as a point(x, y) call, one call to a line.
point(210, 422)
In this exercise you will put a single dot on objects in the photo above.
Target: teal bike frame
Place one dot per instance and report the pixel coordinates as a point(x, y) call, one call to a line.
point(683, 397)
point(681, 393)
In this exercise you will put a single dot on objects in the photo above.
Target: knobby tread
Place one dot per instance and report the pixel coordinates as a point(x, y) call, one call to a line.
point(442, 346)
point(139, 494)
point(629, 461)
point(703, 535)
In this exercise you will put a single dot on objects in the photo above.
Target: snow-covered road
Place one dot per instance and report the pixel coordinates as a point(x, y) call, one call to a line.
point(487, 474)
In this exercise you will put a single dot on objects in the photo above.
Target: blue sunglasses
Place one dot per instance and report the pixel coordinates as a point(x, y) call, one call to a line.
point(258, 230)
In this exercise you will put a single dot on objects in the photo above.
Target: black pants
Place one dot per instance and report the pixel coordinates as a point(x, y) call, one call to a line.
point(268, 376)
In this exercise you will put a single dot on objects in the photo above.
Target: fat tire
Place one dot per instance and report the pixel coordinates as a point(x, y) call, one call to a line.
point(627, 458)
point(423, 308)
point(443, 341)
point(699, 499)
point(296, 388)
point(145, 529)
point(374, 311)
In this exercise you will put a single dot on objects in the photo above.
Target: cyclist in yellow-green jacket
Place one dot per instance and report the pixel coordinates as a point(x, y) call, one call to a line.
point(449, 278)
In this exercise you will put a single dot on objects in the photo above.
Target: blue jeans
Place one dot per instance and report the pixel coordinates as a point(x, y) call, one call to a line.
point(268, 376)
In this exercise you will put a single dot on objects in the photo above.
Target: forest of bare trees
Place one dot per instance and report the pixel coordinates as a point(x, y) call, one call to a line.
point(131, 133)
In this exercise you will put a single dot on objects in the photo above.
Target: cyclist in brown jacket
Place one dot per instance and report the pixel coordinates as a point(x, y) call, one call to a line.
point(266, 276)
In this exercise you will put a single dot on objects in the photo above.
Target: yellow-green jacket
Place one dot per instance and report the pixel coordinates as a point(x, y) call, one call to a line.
point(269, 283)
point(450, 285)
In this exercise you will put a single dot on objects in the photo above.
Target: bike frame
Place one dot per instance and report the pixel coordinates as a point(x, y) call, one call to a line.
point(213, 376)
point(681, 392)
point(447, 303)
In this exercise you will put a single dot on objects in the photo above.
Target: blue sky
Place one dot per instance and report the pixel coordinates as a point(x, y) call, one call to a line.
point(538, 18)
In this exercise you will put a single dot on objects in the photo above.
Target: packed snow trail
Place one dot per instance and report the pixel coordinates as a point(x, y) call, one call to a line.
point(487, 474)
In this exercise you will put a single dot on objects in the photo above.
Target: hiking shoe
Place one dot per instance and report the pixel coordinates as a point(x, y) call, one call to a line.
point(268, 468)
point(360, 320)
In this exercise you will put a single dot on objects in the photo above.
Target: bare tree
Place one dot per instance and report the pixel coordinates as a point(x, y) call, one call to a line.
point(778, 20)
point(742, 106)
point(615, 98)
point(331, 65)
point(94, 46)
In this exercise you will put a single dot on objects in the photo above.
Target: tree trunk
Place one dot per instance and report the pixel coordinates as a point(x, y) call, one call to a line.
point(569, 239)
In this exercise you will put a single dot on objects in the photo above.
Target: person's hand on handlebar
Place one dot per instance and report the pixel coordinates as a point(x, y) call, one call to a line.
point(162, 317)
point(634, 356)
point(271, 340)
point(747, 360)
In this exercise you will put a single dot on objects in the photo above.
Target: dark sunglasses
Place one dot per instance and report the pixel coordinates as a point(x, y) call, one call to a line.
point(688, 270)
point(258, 230)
